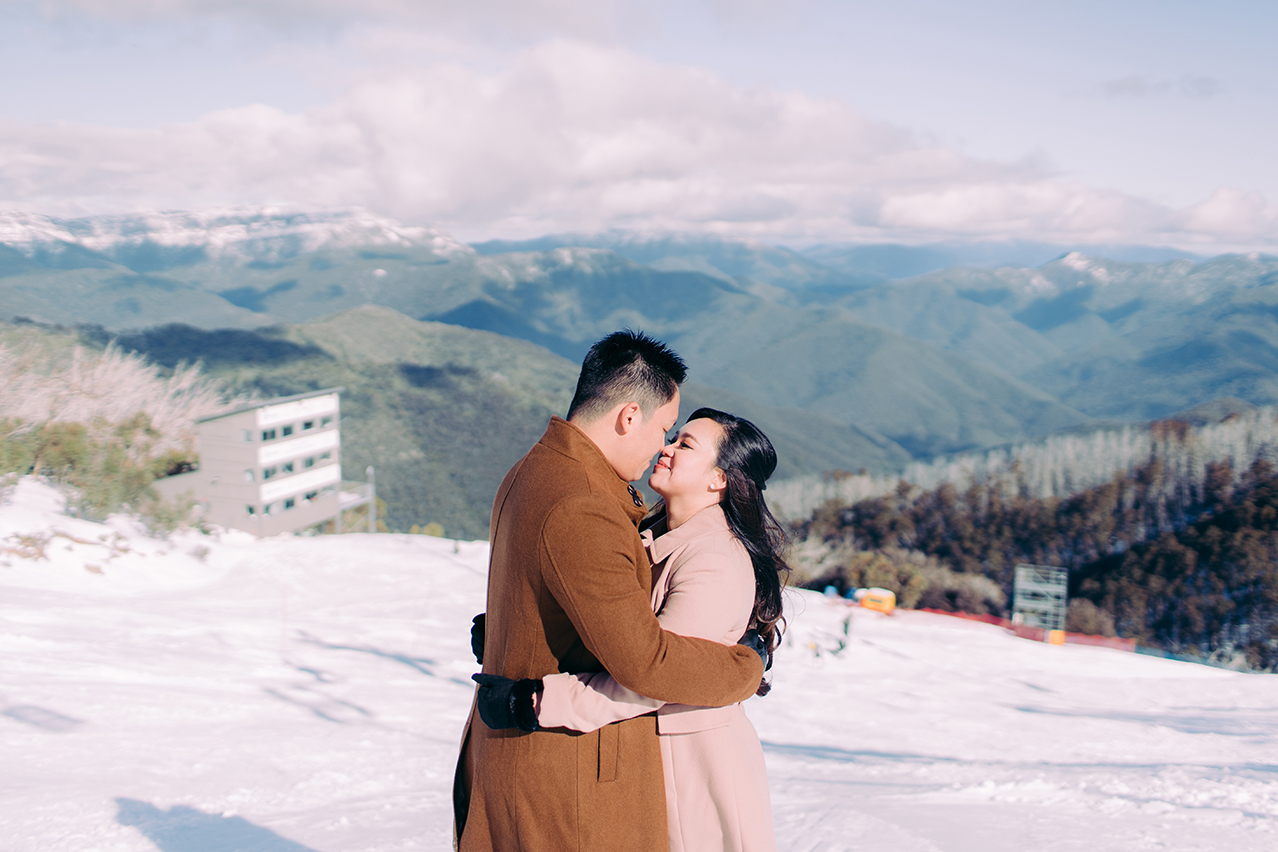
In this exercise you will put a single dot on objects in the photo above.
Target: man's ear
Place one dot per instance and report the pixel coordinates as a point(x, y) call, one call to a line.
point(629, 417)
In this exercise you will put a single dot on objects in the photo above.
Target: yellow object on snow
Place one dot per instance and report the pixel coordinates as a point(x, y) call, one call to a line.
point(881, 600)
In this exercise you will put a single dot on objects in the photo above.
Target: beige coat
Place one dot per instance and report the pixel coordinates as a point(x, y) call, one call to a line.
point(715, 779)
point(569, 590)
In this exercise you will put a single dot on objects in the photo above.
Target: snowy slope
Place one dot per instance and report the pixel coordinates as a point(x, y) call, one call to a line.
point(246, 233)
point(222, 693)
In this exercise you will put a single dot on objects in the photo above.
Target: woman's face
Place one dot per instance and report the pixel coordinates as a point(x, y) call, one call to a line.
point(688, 464)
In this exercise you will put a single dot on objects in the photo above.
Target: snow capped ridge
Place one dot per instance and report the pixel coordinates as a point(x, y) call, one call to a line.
point(1078, 261)
point(21, 229)
point(587, 259)
point(234, 231)
point(1117, 281)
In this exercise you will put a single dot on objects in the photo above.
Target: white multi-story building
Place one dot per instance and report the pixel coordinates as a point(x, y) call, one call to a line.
point(271, 467)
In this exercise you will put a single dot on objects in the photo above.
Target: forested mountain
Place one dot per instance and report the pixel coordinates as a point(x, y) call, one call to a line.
point(905, 399)
point(1040, 368)
point(821, 360)
point(1176, 547)
point(1222, 430)
point(735, 260)
point(1128, 341)
point(440, 411)
point(956, 359)
point(820, 271)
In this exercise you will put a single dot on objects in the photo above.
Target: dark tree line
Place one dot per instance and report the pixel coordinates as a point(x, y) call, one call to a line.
point(1191, 570)
point(1208, 589)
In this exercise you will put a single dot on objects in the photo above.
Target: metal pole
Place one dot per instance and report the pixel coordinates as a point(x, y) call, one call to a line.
point(372, 500)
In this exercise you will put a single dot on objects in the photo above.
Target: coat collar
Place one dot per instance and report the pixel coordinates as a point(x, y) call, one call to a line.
point(565, 438)
point(661, 544)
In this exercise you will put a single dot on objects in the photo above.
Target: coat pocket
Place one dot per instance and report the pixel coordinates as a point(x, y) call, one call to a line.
point(609, 746)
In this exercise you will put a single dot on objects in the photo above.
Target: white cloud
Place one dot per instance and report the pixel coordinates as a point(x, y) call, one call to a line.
point(1188, 86)
point(519, 17)
point(571, 136)
point(1025, 209)
point(1232, 214)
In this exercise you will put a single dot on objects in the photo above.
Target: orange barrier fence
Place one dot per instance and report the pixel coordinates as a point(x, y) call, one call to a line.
point(1115, 642)
point(968, 616)
point(1039, 634)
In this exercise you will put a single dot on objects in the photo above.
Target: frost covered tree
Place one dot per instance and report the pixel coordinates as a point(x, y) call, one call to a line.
point(106, 422)
point(1176, 454)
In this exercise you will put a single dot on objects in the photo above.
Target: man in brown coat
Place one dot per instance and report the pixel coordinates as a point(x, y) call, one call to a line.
point(569, 589)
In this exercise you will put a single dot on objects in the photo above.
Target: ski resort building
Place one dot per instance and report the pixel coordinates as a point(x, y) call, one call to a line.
point(272, 467)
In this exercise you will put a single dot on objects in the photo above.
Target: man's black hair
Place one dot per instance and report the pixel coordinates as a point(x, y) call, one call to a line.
point(626, 366)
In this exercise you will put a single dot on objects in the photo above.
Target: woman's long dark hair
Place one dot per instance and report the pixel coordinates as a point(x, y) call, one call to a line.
point(747, 459)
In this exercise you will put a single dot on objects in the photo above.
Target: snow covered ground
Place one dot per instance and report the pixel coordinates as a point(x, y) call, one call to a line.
point(209, 694)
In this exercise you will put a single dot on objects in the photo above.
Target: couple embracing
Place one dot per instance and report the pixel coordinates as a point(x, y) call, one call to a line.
point(618, 643)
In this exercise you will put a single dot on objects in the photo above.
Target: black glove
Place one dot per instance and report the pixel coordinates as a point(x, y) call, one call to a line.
point(505, 703)
point(752, 640)
point(477, 637)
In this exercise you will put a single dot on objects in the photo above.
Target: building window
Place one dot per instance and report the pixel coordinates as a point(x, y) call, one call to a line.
point(325, 420)
point(268, 434)
point(287, 430)
point(268, 472)
point(287, 468)
point(326, 455)
point(252, 510)
point(266, 510)
point(248, 476)
point(308, 425)
point(248, 436)
point(289, 503)
point(309, 462)
point(310, 495)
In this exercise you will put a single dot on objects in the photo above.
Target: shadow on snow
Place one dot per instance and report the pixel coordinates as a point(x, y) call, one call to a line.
point(39, 717)
point(424, 665)
point(1223, 722)
point(185, 829)
point(325, 707)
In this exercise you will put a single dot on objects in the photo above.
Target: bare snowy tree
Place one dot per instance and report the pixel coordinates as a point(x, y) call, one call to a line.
point(101, 390)
point(1063, 465)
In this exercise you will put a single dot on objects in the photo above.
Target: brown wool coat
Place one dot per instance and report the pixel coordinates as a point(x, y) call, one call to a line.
point(569, 590)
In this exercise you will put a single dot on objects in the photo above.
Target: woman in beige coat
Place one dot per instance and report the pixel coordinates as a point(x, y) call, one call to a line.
point(717, 568)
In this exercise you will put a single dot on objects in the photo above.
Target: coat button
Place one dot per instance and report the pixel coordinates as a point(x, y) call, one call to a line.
point(636, 496)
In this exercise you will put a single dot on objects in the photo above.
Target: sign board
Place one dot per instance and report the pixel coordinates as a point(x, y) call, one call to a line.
point(1040, 596)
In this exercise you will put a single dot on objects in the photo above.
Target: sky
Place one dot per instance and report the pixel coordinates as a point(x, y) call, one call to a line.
point(792, 121)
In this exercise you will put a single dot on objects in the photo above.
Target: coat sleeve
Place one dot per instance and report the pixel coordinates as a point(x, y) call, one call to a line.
point(585, 702)
point(591, 572)
point(711, 596)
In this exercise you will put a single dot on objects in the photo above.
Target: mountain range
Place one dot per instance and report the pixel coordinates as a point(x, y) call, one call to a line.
point(856, 356)
point(1115, 340)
